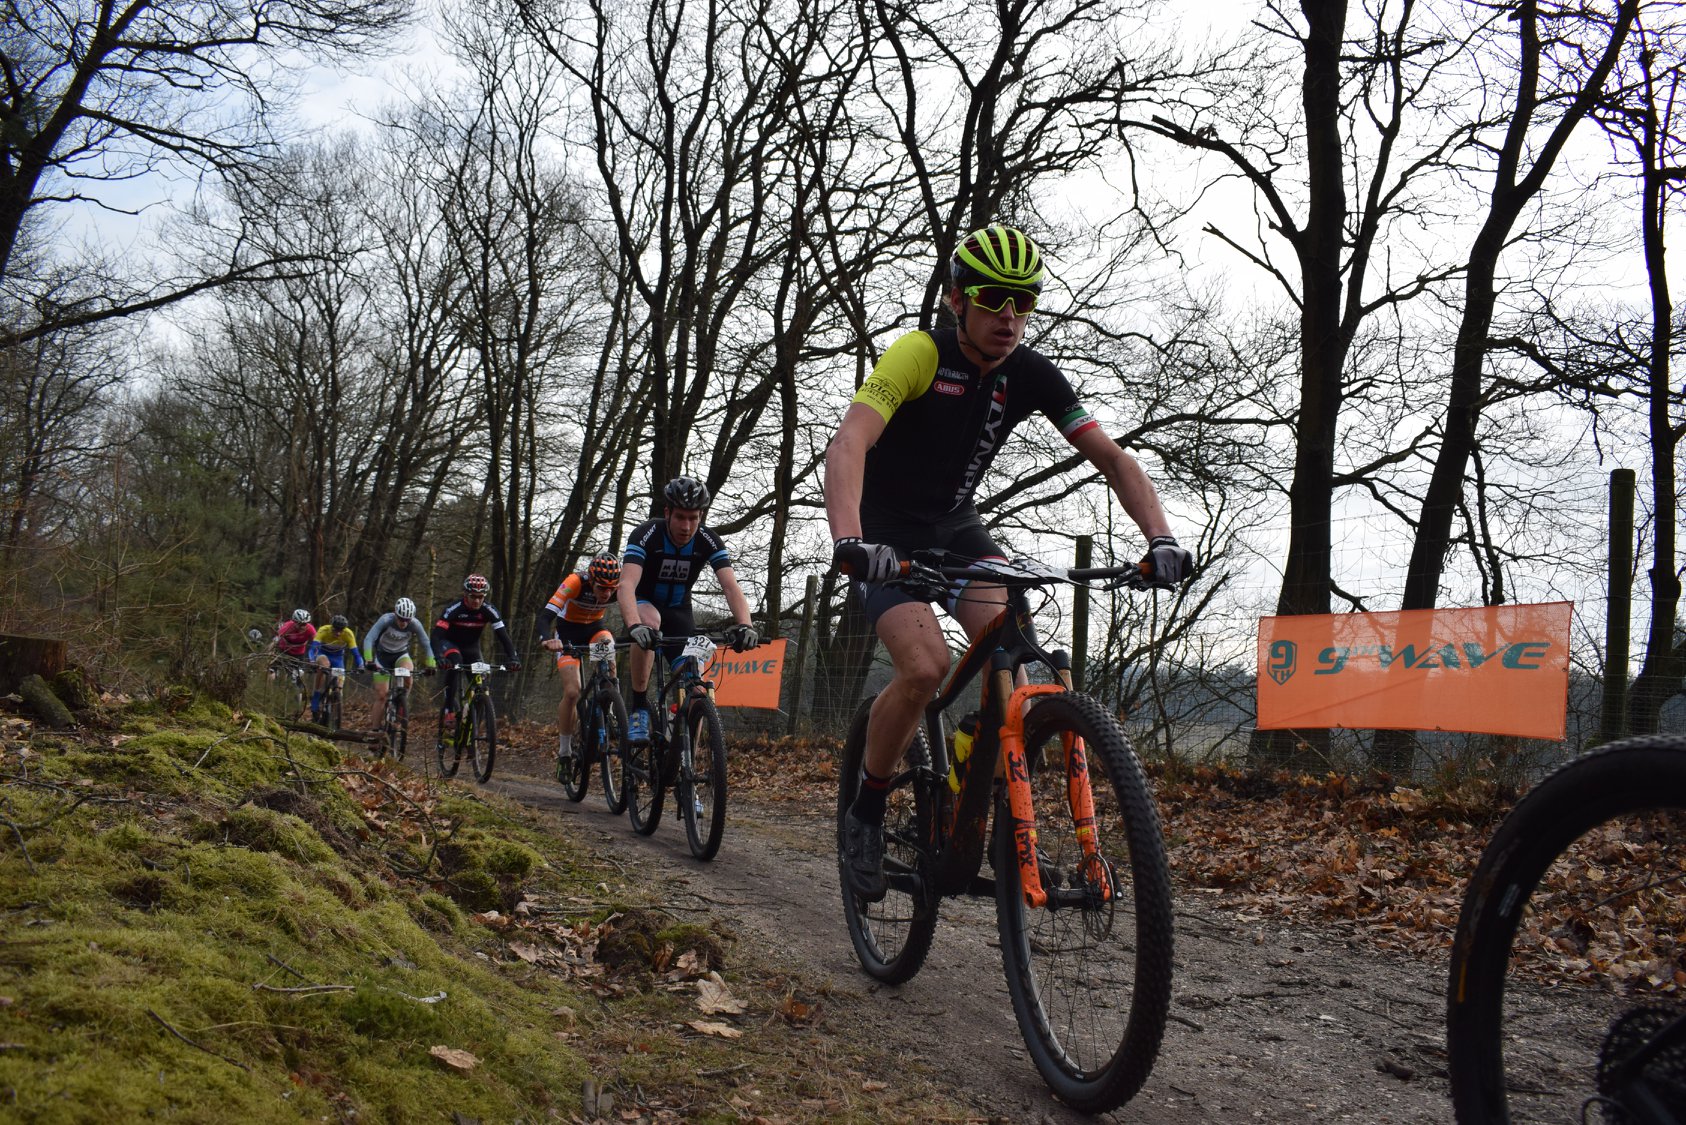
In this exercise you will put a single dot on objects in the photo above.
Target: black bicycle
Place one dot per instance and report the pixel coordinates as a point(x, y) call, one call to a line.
point(1575, 923)
point(600, 732)
point(475, 733)
point(687, 751)
point(1081, 885)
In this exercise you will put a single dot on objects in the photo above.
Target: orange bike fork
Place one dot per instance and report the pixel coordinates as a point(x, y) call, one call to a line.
point(1019, 801)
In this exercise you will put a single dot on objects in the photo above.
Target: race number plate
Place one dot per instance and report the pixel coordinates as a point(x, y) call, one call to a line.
point(400, 673)
point(700, 647)
point(480, 668)
point(603, 649)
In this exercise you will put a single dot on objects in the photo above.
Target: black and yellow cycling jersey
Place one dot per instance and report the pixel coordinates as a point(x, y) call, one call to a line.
point(944, 422)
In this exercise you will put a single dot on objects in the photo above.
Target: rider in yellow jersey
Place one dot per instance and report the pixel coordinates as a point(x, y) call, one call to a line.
point(900, 474)
point(327, 650)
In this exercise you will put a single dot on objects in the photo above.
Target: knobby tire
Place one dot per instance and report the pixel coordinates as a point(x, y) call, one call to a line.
point(1592, 859)
point(892, 937)
point(1090, 978)
point(483, 745)
point(706, 784)
point(641, 771)
point(611, 709)
point(574, 770)
point(448, 748)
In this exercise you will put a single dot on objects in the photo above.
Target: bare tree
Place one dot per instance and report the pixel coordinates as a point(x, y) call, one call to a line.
point(94, 96)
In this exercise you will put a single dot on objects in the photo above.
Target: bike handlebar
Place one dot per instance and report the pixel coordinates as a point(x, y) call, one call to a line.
point(936, 566)
point(721, 639)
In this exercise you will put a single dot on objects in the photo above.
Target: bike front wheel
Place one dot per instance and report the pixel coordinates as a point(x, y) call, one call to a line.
point(611, 747)
point(702, 799)
point(892, 936)
point(1090, 972)
point(1569, 964)
point(483, 737)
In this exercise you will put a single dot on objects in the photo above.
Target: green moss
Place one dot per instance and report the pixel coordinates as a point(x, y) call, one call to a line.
point(508, 858)
point(265, 830)
point(436, 912)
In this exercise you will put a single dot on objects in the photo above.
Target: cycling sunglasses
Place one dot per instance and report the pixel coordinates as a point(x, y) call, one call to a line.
point(994, 298)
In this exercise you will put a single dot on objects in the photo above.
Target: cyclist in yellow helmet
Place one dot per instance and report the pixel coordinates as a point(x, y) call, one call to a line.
point(900, 475)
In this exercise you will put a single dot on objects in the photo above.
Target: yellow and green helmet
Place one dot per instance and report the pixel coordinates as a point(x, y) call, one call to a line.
point(997, 255)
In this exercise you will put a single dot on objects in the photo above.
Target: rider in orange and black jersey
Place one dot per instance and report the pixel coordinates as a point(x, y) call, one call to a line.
point(456, 635)
point(574, 616)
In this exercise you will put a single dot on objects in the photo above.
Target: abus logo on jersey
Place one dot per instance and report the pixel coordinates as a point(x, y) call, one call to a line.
point(943, 388)
point(674, 570)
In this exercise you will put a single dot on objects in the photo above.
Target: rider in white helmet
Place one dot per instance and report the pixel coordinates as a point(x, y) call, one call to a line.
point(387, 646)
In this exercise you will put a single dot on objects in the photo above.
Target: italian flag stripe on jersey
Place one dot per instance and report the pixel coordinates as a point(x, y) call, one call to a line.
point(1077, 422)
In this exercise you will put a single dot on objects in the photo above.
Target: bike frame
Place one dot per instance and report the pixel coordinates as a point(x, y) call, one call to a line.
point(602, 677)
point(680, 682)
point(473, 686)
point(1006, 646)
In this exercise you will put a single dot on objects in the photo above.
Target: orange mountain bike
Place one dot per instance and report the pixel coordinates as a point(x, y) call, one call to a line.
point(1081, 886)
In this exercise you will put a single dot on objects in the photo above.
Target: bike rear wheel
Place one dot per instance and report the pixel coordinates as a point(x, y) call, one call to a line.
point(643, 780)
point(573, 768)
point(893, 936)
point(483, 737)
point(395, 730)
point(1569, 964)
point(1089, 973)
point(611, 747)
point(703, 787)
point(448, 748)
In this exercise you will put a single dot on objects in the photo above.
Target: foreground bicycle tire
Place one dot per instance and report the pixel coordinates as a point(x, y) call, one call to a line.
point(702, 795)
point(1604, 837)
point(483, 739)
point(892, 937)
point(1090, 973)
point(641, 774)
point(611, 712)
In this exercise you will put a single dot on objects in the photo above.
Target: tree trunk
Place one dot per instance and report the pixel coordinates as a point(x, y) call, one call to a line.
point(29, 656)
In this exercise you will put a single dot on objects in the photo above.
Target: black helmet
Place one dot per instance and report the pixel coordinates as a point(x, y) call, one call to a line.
point(686, 492)
point(339, 621)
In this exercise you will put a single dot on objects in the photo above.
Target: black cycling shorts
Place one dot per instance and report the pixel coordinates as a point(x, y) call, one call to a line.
point(677, 626)
point(961, 531)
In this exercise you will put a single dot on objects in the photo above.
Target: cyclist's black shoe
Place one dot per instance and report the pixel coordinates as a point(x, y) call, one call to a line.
point(863, 858)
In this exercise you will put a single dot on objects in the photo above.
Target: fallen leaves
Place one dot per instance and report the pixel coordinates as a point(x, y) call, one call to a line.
point(1392, 867)
point(714, 998)
point(453, 1059)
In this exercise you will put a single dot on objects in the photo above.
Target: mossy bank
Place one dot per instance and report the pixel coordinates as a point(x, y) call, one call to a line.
point(206, 918)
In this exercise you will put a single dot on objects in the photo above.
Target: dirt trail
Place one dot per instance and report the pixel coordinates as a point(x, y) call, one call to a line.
point(1268, 1023)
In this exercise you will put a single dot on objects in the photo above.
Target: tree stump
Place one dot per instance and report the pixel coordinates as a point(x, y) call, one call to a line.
point(28, 656)
point(47, 706)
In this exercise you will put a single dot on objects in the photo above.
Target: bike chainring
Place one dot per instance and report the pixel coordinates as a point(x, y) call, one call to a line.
point(1661, 1031)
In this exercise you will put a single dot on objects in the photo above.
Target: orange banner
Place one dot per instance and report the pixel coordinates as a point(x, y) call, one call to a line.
point(1495, 670)
point(748, 679)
